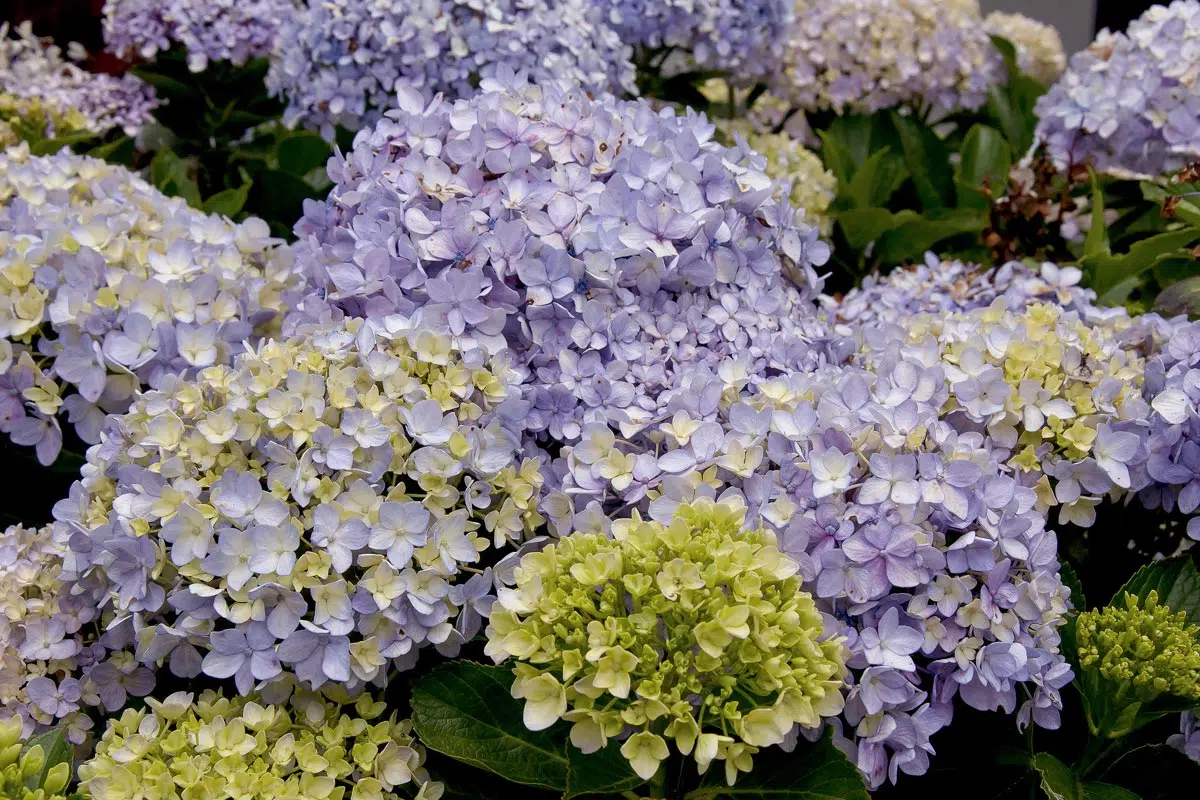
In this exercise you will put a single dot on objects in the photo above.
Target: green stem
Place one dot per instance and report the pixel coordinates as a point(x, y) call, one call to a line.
point(658, 784)
point(1095, 753)
point(631, 796)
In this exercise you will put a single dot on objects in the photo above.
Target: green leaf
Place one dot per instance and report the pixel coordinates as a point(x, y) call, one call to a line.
point(876, 180)
point(603, 772)
point(1096, 244)
point(855, 133)
point(165, 86)
point(816, 771)
point(1094, 790)
point(928, 162)
point(1059, 782)
point(1176, 580)
point(1009, 51)
point(836, 157)
point(171, 175)
point(861, 226)
point(1185, 210)
point(911, 239)
point(55, 748)
point(47, 147)
point(300, 153)
point(229, 202)
point(465, 711)
point(986, 161)
point(1071, 579)
point(1107, 271)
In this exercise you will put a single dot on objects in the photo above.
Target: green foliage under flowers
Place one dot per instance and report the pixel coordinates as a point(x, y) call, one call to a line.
point(695, 632)
point(39, 769)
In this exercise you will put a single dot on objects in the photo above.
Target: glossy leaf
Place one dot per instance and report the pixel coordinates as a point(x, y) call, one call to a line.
point(817, 771)
point(1176, 580)
point(927, 160)
point(911, 239)
point(985, 162)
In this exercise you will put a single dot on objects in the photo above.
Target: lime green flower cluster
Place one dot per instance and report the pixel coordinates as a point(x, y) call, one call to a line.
point(220, 748)
point(30, 120)
point(1149, 649)
point(695, 632)
point(22, 771)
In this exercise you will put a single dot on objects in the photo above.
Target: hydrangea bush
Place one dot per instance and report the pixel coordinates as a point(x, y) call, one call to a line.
point(695, 631)
point(35, 70)
point(322, 508)
point(207, 30)
point(340, 61)
point(108, 285)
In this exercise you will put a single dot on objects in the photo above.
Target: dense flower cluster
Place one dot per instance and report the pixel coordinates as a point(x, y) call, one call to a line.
point(810, 187)
point(901, 513)
point(694, 631)
point(23, 775)
point(1151, 649)
point(743, 38)
point(1039, 47)
point(303, 747)
point(45, 657)
point(862, 56)
point(106, 284)
point(1130, 100)
point(341, 60)
point(35, 70)
point(22, 119)
point(316, 509)
point(207, 30)
point(608, 245)
point(1172, 387)
point(945, 285)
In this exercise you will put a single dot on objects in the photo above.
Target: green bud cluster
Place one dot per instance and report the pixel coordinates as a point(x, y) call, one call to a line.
point(1151, 649)
point(220, 748)
point(22, 770)
point(695, 632)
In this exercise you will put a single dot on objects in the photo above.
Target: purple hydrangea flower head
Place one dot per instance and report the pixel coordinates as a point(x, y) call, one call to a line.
point(740, 37)
point(108, 285)
point(1130, 101)
point(33, 69)
point(340, 62)
point(862, 56)
point(207, 30)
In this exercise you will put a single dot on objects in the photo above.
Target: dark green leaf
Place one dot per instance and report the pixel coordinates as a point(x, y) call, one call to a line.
point(1185, 209)
point(928, 162)
point(1096, 244)
point(300, 153)
point(165, 85)
point(813, 772)
point(1059, 781)
point(875, 180)
point(986, 160)
point(1108, 271)
point(1176, 580)
point(605, 771)
point(855, 133)
point(1071, 580)
point(47, 147)
point(837, 158)
point(465, 711)
point(171, 175)
point(118, 151)
point(55, 748)
point(911, 239)
point(228, 203)
point(1094, 790)
point(1009, 52)
point(861, 226)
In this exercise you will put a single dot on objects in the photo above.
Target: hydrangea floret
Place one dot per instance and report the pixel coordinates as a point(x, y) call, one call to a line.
point(1039, 46)
point(694, 632)
point(608, 245)
point(21, 768)
point(742, 38)
point(33, 69)
point(863, 56)
point(23, 119)
point(1172, 387)
point(1129, 101)
point(1141, 647)
point(106, 285)
point(206, 30)
point(340, 61)
point(320, 508)
point(305, 747)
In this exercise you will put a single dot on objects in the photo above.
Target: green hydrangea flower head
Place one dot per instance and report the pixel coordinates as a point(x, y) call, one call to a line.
point(1149, 649)
point(21, 768)
point(696, 632)
point(31, 120)
point(239, 748)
